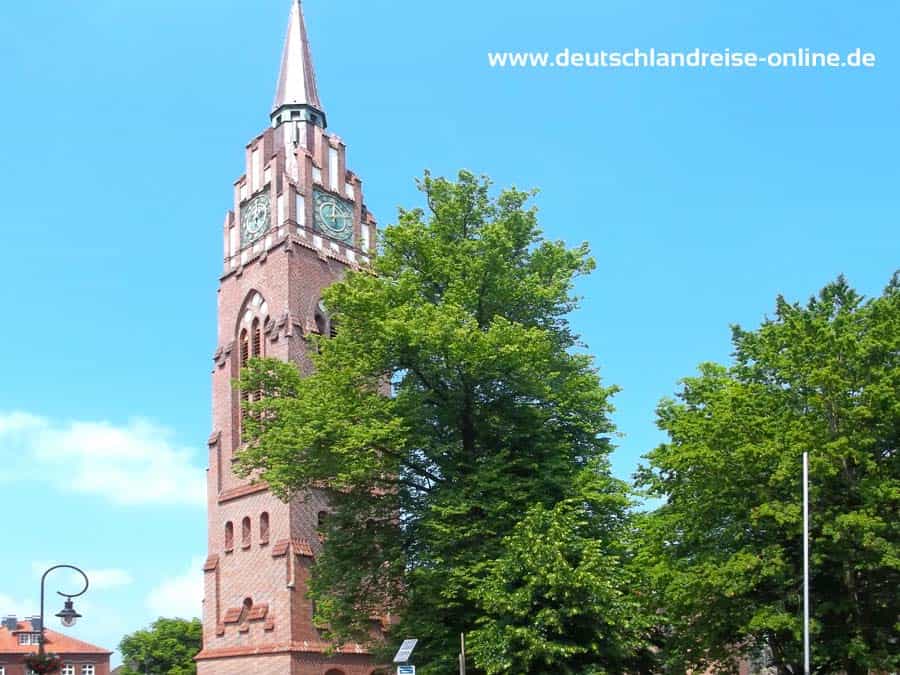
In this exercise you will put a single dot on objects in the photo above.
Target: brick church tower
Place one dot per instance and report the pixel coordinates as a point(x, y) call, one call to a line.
point(298, 223)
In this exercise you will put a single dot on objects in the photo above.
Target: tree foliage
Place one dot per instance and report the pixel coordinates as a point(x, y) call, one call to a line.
point(453, 401)
point(725, 550)
point(167, 647)
point(564, 596)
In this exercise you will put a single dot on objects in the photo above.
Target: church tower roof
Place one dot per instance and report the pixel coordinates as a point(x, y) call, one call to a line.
point(297, 96)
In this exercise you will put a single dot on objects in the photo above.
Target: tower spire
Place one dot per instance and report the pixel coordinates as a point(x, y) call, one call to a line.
point(297, 96)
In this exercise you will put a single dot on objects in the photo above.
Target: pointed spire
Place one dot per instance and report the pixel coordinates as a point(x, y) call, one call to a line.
point(297, 96)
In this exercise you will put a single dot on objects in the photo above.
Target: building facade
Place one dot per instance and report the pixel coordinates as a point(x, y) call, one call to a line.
point(20, 637)
point(298, 223)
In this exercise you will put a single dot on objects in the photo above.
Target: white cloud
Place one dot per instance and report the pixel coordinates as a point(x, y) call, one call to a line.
point(129, 465)
point(111, 578)
point(179, 596)
point(18, 607)
point(99, 578)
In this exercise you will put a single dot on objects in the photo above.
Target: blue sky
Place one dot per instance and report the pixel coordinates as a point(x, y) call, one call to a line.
point(703, 194)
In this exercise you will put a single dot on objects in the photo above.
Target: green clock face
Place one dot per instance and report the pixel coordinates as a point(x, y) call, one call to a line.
point(334, 217)
point(255, 218)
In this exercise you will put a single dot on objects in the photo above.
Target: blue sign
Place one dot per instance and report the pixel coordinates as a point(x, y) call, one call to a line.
point(406, 670)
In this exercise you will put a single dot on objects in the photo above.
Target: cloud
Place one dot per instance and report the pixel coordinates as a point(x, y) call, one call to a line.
point(18, 607)
point(179, 596)
point(99, 578)
point(134, 464)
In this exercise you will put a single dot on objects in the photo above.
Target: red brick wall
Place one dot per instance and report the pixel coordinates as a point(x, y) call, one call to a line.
point(289, 268)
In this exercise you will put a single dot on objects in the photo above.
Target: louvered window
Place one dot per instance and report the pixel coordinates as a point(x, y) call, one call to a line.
point(256, 345)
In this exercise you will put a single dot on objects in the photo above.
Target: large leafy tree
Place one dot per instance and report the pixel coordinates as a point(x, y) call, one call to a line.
point(564, 596)
point(725, 550)
point(453, 399)
point(167, 647)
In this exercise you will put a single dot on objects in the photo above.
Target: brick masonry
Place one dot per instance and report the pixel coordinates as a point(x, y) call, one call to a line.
point(256, 617)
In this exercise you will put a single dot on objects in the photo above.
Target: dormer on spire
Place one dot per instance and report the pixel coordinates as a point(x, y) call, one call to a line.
point(297, 97)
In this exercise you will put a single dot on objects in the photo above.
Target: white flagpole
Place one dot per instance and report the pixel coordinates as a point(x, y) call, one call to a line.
point(806, 563)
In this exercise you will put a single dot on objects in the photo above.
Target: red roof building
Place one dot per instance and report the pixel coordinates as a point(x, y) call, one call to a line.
point(20, 637)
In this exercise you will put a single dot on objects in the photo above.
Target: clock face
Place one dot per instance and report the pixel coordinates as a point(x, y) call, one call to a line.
point(334, 217)
point(254, 218)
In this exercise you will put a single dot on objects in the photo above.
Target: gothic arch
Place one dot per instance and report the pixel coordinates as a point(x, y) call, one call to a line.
point(253, 308)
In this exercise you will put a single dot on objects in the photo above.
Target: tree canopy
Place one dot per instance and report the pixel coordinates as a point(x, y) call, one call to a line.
point(453, 418)
point(725, 550)
point(167, 647)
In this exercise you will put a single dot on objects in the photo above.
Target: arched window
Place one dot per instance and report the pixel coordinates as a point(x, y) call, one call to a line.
point(245, 533)
point(256, 339)
point(250, 341)
point(245, 609)
point(245, 348)
point(229, 536)
point(264, 528)
point(321, 324)
point(334, 671)
point(321, 522)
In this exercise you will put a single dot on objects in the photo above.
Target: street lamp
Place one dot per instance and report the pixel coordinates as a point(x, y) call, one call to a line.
point(67, 614)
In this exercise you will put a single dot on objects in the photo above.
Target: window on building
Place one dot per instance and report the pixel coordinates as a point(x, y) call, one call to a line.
point(321, 521)
point(229, 536)
point(245, 533)
point(245, 610)
point(29, 638)
point(245, 347)
point(87, 669)
point(321, 324)
point(264, 528)
point(67, 669)
point(256, 339)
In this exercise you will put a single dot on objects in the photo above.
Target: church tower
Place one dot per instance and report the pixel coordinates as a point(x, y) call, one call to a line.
point(298, 223)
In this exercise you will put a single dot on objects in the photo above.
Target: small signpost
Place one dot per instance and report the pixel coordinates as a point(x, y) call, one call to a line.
point(402, 658)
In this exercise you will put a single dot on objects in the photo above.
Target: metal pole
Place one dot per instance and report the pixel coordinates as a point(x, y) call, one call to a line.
point(806, 563)
point(65, 595)
point(462, 654)
point(41, 637)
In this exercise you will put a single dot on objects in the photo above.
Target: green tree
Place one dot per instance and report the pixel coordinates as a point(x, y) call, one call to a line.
point(564, 596)
point(167, 647)
point(725, 550)
point(453, 399)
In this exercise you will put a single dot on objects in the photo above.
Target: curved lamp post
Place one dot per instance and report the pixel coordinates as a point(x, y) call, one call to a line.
point(67, 614)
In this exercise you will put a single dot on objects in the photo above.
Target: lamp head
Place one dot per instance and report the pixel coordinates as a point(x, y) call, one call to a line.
point(68, 616)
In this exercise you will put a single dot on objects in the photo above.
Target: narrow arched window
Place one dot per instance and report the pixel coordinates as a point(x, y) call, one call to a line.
point(245, 609)
point(229, 536)
point(321, 324)
point(245, 533)
point(256, 339)
point(321, 523)
point(245, 348)
point(264, 528)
